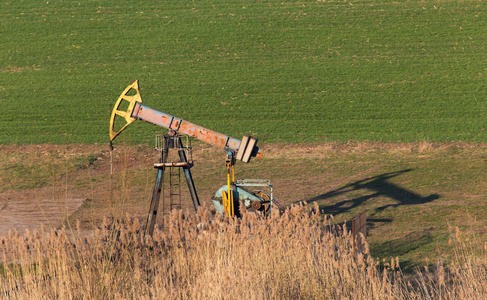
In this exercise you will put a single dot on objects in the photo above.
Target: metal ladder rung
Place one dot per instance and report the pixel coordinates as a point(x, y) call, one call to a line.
point(175, 188)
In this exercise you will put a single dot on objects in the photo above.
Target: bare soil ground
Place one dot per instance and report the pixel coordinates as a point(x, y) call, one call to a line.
point(412, 192)
point(26, 212)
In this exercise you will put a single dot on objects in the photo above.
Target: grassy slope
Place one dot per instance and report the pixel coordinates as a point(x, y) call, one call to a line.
point(283, 71)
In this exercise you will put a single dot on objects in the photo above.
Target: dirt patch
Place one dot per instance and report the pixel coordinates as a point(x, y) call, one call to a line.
point(19, 214)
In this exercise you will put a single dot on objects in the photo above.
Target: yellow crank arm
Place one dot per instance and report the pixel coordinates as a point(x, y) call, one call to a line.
point(127, 115)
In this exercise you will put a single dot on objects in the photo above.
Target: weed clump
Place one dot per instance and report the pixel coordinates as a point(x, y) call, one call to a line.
point(296, 255)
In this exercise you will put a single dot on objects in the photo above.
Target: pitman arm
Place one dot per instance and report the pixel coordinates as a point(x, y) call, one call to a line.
point(138, 111)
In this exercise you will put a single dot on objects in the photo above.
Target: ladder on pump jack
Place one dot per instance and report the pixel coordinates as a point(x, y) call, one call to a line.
point(174, 188)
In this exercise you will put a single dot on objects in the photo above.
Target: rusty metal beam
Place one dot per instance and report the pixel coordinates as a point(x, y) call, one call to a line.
point(201, 133)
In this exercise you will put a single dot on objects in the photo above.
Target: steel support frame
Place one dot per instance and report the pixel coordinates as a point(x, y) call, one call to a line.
point(168, 141)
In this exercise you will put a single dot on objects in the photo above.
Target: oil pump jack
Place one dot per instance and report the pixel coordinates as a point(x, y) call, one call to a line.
point(230, 198)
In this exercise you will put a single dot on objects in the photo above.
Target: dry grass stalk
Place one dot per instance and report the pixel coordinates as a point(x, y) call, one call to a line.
point(291, 256)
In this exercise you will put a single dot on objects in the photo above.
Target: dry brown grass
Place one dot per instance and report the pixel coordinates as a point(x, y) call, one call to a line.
point(292, 256)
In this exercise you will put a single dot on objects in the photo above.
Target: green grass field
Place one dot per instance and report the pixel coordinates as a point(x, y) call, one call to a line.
point(297, 71)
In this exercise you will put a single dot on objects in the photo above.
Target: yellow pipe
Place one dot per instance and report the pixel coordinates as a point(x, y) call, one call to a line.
point(230, 178)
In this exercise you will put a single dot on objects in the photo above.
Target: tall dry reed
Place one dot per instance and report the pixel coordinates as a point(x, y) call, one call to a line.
point(295, 255)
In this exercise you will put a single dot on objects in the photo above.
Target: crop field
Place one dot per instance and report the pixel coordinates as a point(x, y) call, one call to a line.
point(373, 106)
point(293, 71)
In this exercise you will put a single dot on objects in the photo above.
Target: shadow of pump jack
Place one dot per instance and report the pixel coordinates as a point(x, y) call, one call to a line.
point(379, 186)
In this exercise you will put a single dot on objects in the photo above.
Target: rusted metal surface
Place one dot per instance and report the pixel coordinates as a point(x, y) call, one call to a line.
point(201, 133)
point(256, 205)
